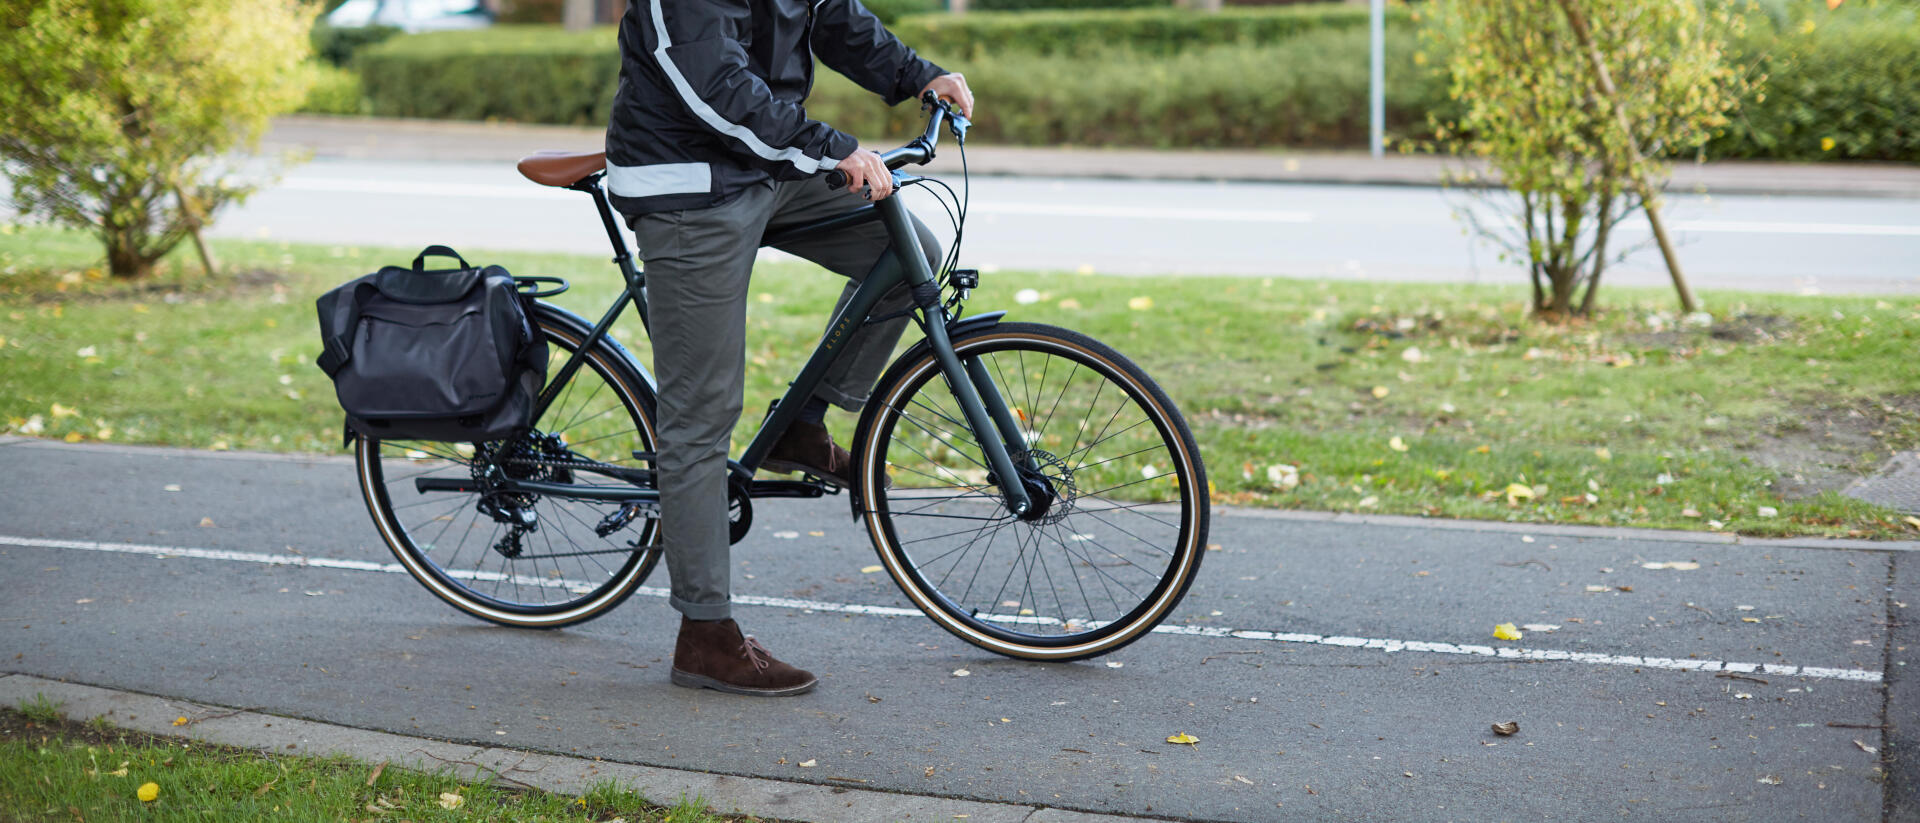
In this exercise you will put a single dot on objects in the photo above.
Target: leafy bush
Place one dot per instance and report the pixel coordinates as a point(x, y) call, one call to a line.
point(337, 45)
point(113, 114)
point(1843, 84)
point(1150, 32)
point(1566, 144)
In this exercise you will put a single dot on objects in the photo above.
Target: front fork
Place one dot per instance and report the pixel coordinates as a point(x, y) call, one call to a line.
point(993, 424)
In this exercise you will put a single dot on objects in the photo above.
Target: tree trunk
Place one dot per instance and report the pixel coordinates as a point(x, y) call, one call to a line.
point(125, 258)
point(577, 15)
point(1649, 198)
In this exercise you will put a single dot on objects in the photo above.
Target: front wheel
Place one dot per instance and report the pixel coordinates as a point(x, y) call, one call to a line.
point(1122, 523)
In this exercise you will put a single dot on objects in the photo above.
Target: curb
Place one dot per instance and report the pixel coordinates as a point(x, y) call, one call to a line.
point(753, 796)
point(1342, 518)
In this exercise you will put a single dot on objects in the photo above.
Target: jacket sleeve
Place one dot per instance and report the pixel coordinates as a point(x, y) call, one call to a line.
point(696, 45)
point(850, 40)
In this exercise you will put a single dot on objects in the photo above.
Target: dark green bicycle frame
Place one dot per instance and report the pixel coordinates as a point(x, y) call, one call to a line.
point(980, 400)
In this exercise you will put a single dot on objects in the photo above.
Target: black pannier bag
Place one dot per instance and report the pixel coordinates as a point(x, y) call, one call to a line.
point(448, 354)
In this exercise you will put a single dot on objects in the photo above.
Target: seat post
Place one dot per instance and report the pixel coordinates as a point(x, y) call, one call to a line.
point(635, 277)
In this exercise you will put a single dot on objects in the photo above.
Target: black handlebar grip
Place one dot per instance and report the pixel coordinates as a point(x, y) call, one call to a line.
point(836, 179)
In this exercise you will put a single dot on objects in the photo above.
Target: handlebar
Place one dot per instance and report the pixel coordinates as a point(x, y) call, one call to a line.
point(920, 150)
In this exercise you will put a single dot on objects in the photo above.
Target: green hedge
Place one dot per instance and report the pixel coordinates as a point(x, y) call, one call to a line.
point(890, 11)
point(529, 74)
point(1272, 77)
point(1854, 81)
point(337, 46)
point(1308, 91)
point(1152, 32)
point(1031, 5)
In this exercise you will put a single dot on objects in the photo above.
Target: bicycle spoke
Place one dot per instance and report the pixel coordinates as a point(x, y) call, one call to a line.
point(1039, 583)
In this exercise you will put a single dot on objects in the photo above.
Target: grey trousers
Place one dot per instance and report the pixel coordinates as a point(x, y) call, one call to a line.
point(698, 263)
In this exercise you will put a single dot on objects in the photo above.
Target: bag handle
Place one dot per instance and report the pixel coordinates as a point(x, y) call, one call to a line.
point(437, 250)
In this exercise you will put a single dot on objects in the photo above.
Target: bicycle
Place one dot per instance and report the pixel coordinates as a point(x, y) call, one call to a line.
point(1030, 489)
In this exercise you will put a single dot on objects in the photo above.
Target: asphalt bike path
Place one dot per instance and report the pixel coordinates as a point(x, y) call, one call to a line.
point(1327, 669)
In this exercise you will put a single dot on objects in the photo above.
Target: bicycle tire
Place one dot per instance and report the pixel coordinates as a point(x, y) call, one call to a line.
point(451, 543)
point(1127, 526)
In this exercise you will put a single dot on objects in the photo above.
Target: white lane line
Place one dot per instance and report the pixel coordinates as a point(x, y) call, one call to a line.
point(1336, 641)
point(531, 191)
point(1141, 212)
point(1755, 227)
point(426, 188)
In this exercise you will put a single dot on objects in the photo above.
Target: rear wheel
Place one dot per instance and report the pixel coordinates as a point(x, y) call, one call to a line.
point(538, 561)
point(1121, 512)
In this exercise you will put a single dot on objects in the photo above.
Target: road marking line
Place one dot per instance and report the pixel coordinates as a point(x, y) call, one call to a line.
point(424, 188)
point(1336, 641)
point(1142, 212)
point(1757, 227)
point(534, 192)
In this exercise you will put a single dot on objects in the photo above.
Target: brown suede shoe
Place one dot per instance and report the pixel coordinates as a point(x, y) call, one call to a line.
point(713, 654)
point(806, 447)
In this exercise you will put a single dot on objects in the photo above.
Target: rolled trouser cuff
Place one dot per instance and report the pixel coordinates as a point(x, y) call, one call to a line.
point(702, 611)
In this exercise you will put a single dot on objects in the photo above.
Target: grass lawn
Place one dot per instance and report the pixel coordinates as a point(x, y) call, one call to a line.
point(1440, 400)
point(54, 770)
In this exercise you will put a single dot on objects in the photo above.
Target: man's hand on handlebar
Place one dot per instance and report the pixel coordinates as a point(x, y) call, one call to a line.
point(953, 89)
point(864, 168)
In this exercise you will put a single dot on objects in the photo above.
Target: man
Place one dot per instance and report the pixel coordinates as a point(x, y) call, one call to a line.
point(708, 148)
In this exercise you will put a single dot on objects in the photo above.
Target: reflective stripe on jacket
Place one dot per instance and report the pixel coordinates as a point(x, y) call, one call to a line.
point(710, 95)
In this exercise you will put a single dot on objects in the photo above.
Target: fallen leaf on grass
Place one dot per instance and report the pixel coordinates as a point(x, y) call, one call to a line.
point(1140, 303)
point(1380, 392)
point(1183, 738)
point(1507, 631)
point(449, 800)
point(1517, 492)
point(372, 777)
point(148, 792)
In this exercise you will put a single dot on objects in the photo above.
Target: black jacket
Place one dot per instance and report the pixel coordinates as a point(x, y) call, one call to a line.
point(711, 90)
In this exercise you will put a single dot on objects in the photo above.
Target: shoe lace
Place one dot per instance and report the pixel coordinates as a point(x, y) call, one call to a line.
point(756, 653)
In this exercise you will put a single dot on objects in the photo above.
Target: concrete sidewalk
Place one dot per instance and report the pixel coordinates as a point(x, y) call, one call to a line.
point(466, 142)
